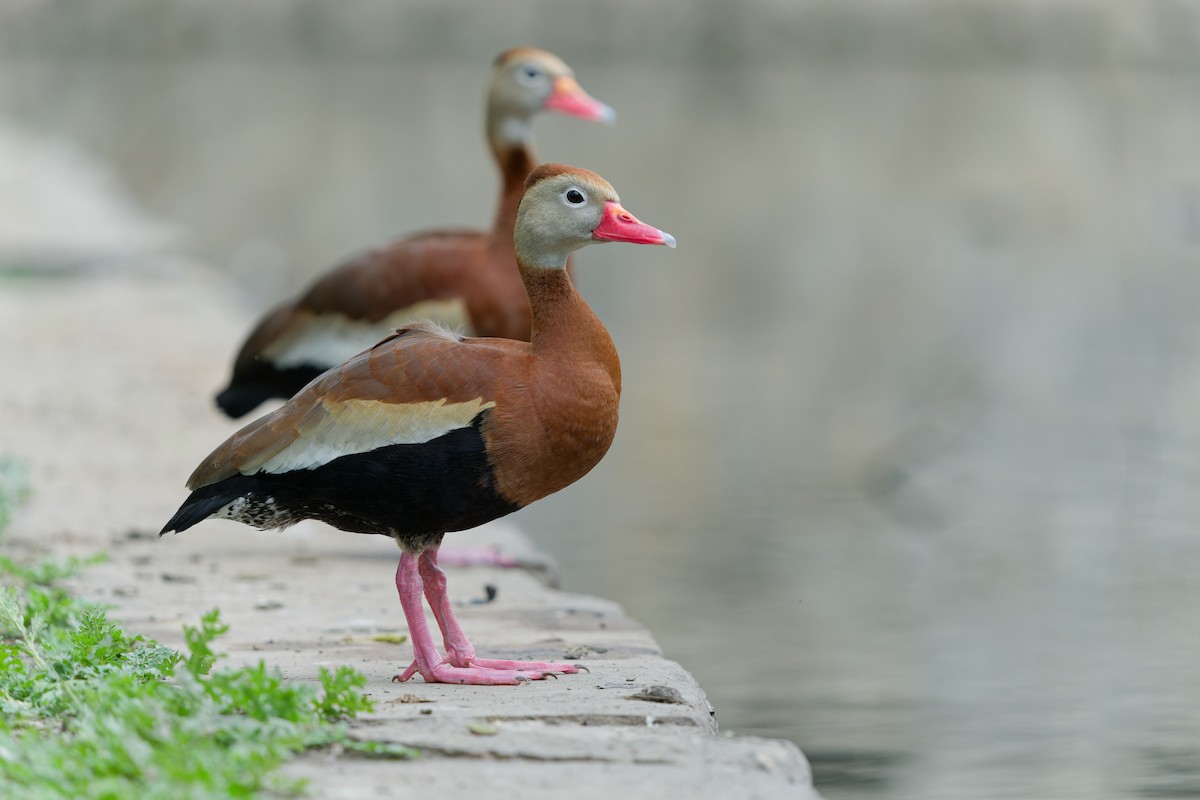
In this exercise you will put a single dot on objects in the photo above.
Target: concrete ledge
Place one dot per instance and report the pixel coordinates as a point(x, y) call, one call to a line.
point(111, 407)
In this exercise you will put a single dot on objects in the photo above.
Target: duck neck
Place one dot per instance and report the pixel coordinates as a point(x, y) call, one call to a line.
point(563, 323)
point(515, 164)
point(511, 140)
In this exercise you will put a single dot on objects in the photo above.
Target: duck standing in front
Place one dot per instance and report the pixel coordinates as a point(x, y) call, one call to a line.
point(429, 432)
point(457, 277)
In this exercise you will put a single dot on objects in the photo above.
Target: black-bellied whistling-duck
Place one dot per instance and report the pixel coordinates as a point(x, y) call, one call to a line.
point(457, 277)
point(429, 432)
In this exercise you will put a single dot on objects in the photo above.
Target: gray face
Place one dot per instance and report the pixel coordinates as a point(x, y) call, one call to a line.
point(557, 216)
point(520, 87)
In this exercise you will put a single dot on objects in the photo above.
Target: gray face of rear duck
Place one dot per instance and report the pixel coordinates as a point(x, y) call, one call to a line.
point(526, 81)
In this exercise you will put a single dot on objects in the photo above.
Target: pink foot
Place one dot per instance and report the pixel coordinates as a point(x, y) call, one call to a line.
point(476, 557)
point(409, 671)
point(459, 652)
point(460, 664)
point(531, 670)
point(536, 666)
point(448, 673)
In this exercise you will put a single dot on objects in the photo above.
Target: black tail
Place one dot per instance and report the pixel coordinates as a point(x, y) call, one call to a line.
point(201, 503)
point(250, 387)
point(238, 400)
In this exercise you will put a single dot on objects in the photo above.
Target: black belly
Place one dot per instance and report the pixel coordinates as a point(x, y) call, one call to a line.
point(415, 492)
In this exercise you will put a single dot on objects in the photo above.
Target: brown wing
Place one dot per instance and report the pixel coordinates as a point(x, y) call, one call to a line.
point(417, 384)
point(410, 275)
point(428, 266)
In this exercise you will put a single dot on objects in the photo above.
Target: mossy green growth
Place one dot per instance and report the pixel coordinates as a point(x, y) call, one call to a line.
point(88, 710)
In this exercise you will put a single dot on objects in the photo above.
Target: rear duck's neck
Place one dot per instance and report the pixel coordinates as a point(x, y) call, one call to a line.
point(515, 161)
point(511, 139)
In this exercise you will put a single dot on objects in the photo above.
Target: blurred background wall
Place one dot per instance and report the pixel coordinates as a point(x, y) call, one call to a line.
point(909, 450)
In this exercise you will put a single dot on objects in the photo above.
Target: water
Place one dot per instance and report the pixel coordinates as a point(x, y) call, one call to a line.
point(910, 438)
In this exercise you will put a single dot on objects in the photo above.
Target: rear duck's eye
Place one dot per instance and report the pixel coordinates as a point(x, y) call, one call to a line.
point(530, 75)
point(574, 197)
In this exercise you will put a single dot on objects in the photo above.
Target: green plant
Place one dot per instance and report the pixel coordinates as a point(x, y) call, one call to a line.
point(91, 711)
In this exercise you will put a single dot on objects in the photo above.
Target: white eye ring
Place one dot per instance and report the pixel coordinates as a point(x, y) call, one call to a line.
point(530, 74)
point(574, 196)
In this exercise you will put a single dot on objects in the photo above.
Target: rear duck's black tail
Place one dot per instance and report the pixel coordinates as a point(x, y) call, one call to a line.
point(253, 386)
point(238, 400)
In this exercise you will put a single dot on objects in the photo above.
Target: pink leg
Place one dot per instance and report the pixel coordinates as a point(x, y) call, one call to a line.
point(459, 651)
point(429, 662)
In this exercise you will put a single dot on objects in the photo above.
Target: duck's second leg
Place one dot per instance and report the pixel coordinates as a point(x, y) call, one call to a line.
point(459, 650)
point(434, 667)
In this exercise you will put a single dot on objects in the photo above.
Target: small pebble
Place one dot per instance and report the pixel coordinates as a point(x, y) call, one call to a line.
point(578, 651)
point(412, 698)
point(659, 694)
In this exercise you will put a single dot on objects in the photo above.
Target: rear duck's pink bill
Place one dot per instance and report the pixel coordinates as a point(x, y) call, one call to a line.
point(570, 98)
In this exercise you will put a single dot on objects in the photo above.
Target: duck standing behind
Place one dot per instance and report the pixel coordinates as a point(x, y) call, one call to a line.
point(457, 277)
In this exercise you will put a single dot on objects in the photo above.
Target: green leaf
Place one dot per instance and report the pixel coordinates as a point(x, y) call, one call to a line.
point(202, 657)
point(341, 697)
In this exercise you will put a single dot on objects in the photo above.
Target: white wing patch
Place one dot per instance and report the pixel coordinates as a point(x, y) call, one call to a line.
point(326, 340)
point(358, 426)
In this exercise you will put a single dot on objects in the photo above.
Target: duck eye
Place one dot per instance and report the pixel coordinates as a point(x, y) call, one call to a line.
point(574, 197)
point(531, 72)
